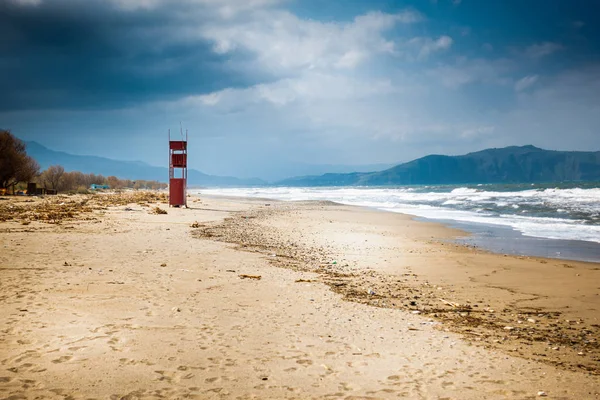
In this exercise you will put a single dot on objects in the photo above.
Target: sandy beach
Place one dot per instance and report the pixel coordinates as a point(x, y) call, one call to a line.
point(106, 297)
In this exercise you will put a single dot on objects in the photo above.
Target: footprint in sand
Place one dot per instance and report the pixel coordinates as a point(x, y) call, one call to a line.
point(75, 348)
point(172, 377)
point(127, 361)
point(62, 359)
point(21, 368)
point(31, 384)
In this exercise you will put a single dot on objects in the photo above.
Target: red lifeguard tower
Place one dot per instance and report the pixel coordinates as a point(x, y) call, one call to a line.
point(178, 171)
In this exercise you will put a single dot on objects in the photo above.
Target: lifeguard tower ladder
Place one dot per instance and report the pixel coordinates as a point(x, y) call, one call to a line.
point(178, 171)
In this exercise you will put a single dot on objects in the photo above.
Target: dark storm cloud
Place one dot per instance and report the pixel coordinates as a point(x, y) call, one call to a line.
point(91, 54)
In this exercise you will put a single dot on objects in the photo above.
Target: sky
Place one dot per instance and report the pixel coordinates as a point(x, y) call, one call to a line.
point(266, 86)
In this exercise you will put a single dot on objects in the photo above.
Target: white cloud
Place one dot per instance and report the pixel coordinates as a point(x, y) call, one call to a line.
point(544, 49)
point(283, 42)
point(311, 86)
point(350, 60)
point(379, 20)
point(210, 99)
point(476, 132)
point(26, 2)
point(428, 46)
point(564, 113)
point(223, 8)
point(465, 71)
point(526, 82)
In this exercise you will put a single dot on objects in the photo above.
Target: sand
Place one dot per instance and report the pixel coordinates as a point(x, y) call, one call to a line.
point(234, 298)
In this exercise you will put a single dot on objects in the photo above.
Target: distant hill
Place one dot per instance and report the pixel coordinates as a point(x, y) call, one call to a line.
point(505, 165)
point(287, 168)
point(126, 169)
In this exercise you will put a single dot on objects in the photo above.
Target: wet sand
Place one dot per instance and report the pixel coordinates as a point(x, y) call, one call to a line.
point(239, 299)
point(505, 240)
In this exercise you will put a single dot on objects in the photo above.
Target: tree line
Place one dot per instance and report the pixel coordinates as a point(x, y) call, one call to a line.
point(55, 177)
point(17, 169)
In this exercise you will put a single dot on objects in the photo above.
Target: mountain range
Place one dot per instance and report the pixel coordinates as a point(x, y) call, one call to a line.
point(126, 169)
point(504, 165)
point(512, 164)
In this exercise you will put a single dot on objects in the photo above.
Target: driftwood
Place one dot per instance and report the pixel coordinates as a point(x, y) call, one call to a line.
point(450, 303)
point(244, 276)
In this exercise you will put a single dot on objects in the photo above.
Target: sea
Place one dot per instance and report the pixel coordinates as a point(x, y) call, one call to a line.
point(559, 220)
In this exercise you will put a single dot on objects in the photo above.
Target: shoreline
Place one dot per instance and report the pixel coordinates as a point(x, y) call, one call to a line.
point(105, 297)
point(494, 239)
point(505, 240)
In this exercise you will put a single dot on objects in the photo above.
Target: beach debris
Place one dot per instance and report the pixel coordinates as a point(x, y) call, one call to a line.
point(244, 276)
point(334, 262)
point(416, 312)
point(230, 270)
point(66, 264)
point(196, 224)
point(371, 292)
point(450, 303)
point(176, 309)
point(157, 210)
point(163, 264)
point(66, 208)
point(531, 320)
point(541, 393)
point(304, 280)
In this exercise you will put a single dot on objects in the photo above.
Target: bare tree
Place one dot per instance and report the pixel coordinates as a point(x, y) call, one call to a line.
point(114, 182)
point(15, 165)
point(52, 176)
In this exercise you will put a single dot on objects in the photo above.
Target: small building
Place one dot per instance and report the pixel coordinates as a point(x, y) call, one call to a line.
point(94, 186)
